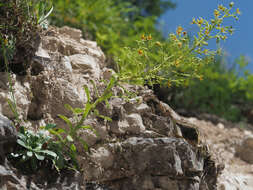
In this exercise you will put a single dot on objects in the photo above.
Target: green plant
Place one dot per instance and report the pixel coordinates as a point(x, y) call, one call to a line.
point(109, 22)
point(224, 92)
point(177, 60)
point(19, 32)
point(33, 149)
point(67, 138)
point(215, 29)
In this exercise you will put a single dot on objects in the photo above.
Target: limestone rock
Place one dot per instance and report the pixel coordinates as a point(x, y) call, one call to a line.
point(135, 124)
point(86, 64)
point(21, 92)
point(138, 149)
point(245, 150)
point(139, 157)
point(8, 136)
point(11, 179)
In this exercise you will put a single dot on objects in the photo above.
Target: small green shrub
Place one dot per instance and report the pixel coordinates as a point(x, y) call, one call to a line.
point(224, 92)
point(178, 59)
point(33, 150)
point(69, 137)
point(19, 32)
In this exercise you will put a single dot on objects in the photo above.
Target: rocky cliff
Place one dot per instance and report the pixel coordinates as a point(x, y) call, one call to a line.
point(146, 146)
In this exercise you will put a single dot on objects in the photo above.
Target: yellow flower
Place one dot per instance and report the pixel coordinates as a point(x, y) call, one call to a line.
point(173, 37)
point(140, 52)
point(149, 37)
point(238, 11)
point(221, 8)
point(169, 84)
point(193, 21)
point(179, 30)
point(216, 13)
point(143, 37)
point(158, 43)
point(222, 30)
point(200, 21)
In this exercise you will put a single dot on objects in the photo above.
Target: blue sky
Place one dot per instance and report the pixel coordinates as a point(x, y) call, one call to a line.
point(240, 43)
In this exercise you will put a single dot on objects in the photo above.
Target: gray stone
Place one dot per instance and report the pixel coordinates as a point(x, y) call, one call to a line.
point(245, 150)
point(71, 32)
point(135, 124)
point(85, 64)
point(8, 132)
point(8, 136)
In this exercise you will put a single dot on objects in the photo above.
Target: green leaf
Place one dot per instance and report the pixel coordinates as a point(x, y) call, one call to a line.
point(85, 145)
point(22, 130)
point(53, 132)
point(29, 153)
point(48, 152)
point(64, 118)
point(73, 147)
point(15, 155)
point(96, 112)
point(13, 107)
point(50, 126)
point(78, 111)
point(60, 131)
point(39, 157)
point(69, 138)
point(22, 136)
point(86, 127)
point(95, 87)
point(105, 117)
point(22, 143)
point(42, 19)
point(87, 92)
point(69, 107)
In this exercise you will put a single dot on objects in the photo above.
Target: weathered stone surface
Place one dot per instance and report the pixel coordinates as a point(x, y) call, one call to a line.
point(8, 136)
point(138, 149)
point(245, 150)
point(8, 132)
point(21, 92)
point(11, 179)
point(67, 41)
point(86, 65)
point(139, 157)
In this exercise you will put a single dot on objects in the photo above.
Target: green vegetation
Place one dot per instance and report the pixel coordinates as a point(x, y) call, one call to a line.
point(177, 60)
point(136, 49)
point(113, 24)
point(19, 32)
point(67, 138)
point(33, 150)
point(224, 92)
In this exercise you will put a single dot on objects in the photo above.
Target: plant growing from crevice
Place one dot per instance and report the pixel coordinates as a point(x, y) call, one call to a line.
point(68, 138)
point(33, 150)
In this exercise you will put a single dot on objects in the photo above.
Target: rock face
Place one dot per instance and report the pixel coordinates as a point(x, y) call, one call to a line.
point(142, 148)
point(144, 153)
point(8, 136)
